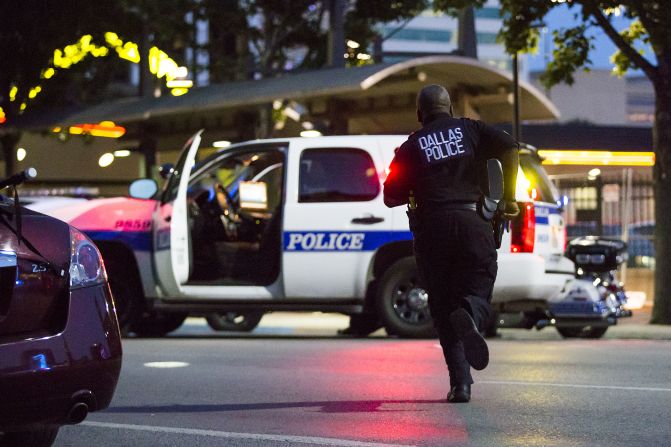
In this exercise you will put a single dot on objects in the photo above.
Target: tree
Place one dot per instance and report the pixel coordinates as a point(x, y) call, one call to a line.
point(35, 33)
point(30, 31)
point(284, 35)
point(650, 26)
point(265, 38)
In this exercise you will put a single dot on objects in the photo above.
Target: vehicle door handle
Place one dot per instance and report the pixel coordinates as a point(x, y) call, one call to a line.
point(368, 220)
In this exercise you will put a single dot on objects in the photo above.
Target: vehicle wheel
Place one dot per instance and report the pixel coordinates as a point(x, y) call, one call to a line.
point(127, 295)
point(402, 302)
point(582, 332)
point(43, 437)
point(234, 321)
point(157, 324)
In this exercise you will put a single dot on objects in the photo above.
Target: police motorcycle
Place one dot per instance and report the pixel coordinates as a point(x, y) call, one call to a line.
point(587, 304)
point(595, 299)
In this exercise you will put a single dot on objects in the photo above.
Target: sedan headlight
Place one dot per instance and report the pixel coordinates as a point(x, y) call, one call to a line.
point(86, 263)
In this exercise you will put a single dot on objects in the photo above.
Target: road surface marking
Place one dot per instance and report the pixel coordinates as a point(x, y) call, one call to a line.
point(251, 436)
point(572, 385)
point(166, 364)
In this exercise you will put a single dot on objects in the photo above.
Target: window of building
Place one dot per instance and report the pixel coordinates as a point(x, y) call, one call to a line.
point(488, 13)
point(337, 175)
point(421, 35)
point(487, 38)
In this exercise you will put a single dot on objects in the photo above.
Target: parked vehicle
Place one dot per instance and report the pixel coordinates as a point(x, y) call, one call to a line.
point(296, 224)
point(595, 300)
point(60, 346)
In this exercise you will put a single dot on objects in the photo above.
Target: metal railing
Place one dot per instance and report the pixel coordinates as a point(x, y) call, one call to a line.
point(616, 204)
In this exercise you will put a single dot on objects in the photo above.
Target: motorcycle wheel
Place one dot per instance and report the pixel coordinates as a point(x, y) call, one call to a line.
point(582, 332)
point(234, 321)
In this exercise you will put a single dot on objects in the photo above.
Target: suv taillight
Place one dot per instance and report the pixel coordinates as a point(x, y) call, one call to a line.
point(523, 230)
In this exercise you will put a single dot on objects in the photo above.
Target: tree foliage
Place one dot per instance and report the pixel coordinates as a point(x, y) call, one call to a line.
point(649, 27)
point(281, 32)
point(31, 30)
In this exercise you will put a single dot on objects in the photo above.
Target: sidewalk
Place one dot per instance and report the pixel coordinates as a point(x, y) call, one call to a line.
point(636, 327)
point(327, 325)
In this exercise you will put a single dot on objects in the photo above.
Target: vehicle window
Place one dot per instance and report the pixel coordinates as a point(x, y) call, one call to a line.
point(337, 175)
point(170, 190)
point(537, 181)
point(228, 173)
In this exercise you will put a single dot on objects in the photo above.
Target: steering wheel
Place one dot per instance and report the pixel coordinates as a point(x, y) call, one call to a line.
point(229, 211)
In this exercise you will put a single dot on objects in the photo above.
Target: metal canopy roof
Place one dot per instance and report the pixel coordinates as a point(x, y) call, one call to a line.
point(375, 98)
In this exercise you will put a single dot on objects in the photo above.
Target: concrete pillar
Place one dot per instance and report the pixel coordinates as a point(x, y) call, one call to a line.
point(468, 39)
point(148, 146)
point(336, 36)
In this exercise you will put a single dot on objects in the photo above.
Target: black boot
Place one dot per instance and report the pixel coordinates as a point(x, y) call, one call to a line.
point(459, 394)
point(475, 347)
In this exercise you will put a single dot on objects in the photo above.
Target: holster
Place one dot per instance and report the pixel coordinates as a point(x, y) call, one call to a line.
point(413, 219)
point(500, 224)
point(487, 208)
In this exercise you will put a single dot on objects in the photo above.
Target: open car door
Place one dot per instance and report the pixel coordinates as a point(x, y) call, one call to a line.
point(172, 243)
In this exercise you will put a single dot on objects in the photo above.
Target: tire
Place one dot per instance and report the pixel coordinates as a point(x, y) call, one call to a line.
point(234, 321)
point(582, 332)
point(402, 302)
point(127, 294)
point(157, 324)
point(43, 437)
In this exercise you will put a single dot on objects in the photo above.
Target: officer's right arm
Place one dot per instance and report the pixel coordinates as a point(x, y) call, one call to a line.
point(498, 144)
point(397, 185)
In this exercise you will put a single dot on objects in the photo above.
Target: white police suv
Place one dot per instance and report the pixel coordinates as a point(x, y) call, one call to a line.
point(297, 224)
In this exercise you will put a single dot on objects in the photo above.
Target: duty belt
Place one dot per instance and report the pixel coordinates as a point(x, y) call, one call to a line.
point(470, 206)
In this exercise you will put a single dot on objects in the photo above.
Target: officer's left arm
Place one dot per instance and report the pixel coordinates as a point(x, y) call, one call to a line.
point(397, 185)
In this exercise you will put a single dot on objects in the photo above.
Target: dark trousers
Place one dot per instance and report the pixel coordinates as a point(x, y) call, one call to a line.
point(456, 257)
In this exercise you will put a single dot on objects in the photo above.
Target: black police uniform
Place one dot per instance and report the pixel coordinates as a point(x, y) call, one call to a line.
point(444, 165)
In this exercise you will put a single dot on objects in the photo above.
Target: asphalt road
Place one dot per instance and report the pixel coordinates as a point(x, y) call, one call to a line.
point(286, 387)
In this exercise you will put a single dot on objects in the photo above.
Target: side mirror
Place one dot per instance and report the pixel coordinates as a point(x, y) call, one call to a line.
point(166, 170)
point(495, 176)
point(144, 188)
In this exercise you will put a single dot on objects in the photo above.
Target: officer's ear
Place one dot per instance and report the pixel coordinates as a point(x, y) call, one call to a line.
point(419, 116)
point(451, 111)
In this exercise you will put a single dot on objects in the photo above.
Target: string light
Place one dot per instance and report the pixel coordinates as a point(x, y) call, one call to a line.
point(160, 64)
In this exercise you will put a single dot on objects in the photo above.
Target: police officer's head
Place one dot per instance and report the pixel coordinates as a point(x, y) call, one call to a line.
point(431, 100)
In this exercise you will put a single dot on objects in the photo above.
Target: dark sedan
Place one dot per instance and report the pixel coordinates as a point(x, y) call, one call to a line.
point(60, 347)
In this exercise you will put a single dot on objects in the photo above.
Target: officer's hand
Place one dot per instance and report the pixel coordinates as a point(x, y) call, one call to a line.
point(510, 209)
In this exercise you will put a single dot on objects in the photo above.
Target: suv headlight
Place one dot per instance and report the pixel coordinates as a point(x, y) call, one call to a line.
point(86, 263)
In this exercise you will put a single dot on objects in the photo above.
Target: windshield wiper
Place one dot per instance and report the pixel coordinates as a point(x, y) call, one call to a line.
point(13, 182)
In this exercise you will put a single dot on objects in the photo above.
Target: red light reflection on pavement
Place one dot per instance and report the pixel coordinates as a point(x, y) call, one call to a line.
point(403, 423)
point(390, 390)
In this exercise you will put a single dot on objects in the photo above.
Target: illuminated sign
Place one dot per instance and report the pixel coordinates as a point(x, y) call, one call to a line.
point(106, 129)
point(596, 158)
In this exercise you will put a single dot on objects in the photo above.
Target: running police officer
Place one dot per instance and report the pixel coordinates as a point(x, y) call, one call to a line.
point(440, 171)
